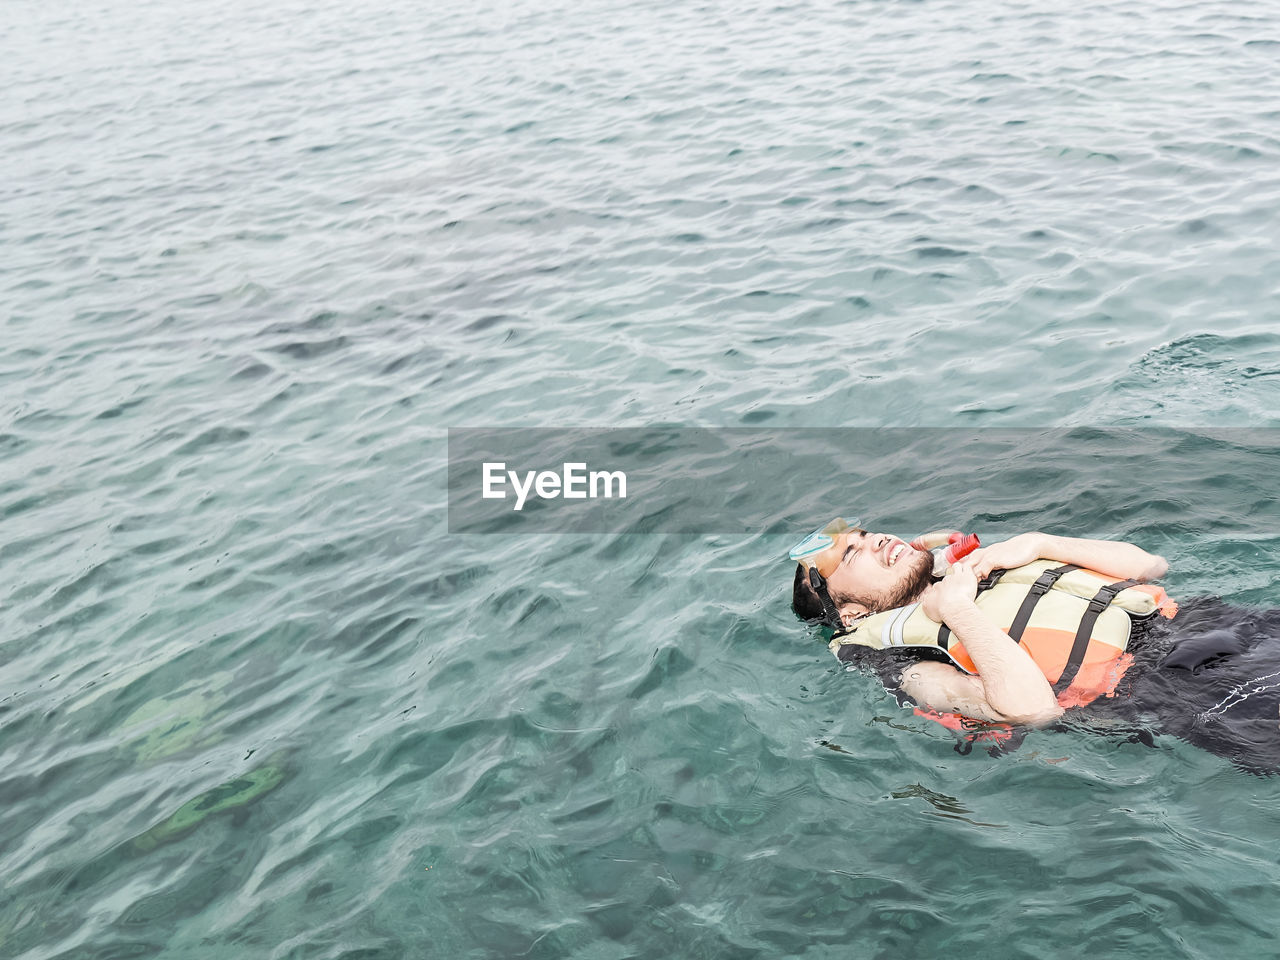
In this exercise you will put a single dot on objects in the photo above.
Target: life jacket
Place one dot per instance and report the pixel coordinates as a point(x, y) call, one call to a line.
point(1074, 622)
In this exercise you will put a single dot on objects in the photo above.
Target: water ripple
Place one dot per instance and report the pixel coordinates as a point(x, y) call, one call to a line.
point(255, 258)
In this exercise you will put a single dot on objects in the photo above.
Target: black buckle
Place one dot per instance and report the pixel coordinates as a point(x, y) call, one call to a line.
point(990, 580)
point(1100, 602)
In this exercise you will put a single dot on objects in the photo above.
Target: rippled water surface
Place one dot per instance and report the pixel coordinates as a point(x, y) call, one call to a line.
point(255, 258)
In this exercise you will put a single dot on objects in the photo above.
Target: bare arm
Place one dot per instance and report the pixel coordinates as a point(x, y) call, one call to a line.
point(1112, 557)
point(1124, 561)
point(1009, 685)
point(937, 686)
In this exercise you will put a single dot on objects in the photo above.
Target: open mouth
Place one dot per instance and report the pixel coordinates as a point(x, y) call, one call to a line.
point(895, 551)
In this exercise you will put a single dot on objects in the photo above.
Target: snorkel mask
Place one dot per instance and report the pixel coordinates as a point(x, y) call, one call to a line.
point(821, 551)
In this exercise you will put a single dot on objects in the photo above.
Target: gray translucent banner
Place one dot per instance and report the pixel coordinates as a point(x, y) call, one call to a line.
point(748, 480)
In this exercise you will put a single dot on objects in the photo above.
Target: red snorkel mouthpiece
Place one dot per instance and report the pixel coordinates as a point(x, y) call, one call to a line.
point(961, 545)
point(955, 547)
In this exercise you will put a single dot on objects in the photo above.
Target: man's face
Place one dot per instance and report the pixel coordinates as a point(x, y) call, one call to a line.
point(877, 571)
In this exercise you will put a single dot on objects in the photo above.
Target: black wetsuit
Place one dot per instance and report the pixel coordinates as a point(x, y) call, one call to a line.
point(1211, 676)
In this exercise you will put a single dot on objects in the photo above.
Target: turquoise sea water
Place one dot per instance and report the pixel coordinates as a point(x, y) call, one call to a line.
point(255, 701)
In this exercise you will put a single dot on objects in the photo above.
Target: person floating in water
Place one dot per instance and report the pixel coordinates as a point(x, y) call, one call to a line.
point(1021, 631)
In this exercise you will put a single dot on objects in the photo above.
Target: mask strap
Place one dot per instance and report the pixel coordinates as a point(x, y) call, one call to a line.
point(829, 612)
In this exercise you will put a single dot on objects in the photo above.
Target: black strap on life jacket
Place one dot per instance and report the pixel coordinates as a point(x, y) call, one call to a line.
point(1101, 600)
point(986, 583)
point(1038, 589)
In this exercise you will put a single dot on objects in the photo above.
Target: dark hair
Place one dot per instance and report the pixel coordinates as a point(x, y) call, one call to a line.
point(804, 599)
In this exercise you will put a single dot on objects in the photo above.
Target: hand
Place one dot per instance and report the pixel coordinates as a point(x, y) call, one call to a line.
point(1014, 552)
point(959, 586)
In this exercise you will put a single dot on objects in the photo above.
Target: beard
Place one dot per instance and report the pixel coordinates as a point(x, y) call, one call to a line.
point(919, 576)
